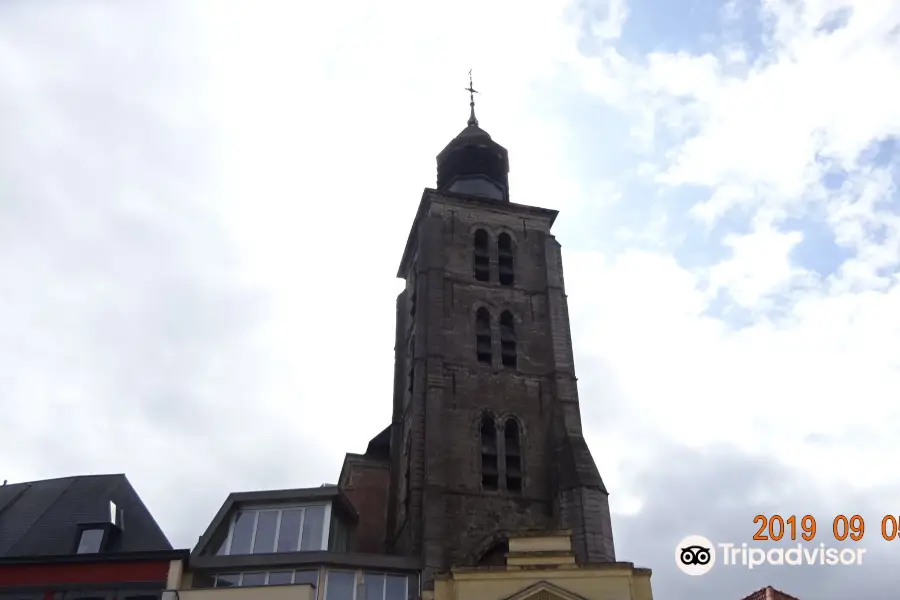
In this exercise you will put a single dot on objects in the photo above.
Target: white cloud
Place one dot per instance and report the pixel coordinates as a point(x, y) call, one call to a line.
point(824, 363)
point(759, 267)
point(205, 216)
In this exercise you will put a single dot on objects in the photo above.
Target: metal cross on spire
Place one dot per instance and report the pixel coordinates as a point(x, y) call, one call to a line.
point(472, 91)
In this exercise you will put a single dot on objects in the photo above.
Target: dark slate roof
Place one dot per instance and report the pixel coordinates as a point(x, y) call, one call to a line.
point(41, 518)
point(380, 445)
point(576, 465)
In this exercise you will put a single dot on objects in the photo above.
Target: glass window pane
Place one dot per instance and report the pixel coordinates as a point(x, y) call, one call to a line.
point(338, 533)
point(412, 591)
point(243, 532)
point(251, 579)
point(90, 540)
point(203, 580)
point(289, 530)
point(313, 522)
point(396, 587)
point(227, 580)
point(374, 586)
point(223, 547)
point(280, 577)
point(340, 585)
point(266, 525)
point(307, 576)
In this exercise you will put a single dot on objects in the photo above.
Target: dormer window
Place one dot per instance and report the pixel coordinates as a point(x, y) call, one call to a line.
point(90, 541)
point(266, 530)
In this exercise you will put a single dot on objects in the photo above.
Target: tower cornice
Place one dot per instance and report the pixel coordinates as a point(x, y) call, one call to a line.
point(430, 196)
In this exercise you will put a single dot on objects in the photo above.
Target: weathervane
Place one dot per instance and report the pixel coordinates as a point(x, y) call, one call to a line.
point(472, 91)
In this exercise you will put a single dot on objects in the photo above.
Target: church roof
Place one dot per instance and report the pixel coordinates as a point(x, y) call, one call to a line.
point(769, 593)
point(576, 465)
point(473, 156)
point(42, 518)
point(471, 134)
point(380, 445)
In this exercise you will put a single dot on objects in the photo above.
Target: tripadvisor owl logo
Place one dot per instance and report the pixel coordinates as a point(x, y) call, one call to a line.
point(695, 555)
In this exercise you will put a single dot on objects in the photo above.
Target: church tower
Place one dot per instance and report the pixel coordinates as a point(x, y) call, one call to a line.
point(486, 438)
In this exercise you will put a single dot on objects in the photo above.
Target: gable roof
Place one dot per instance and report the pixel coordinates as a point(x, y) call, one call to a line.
point(325, 493)
point(551, 590)
point(769, 593)
point(41, 518)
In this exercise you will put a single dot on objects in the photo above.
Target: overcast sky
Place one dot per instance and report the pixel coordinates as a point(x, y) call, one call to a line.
point(203, 206)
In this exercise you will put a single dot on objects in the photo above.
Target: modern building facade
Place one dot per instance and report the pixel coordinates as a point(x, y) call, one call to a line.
point(299, 537)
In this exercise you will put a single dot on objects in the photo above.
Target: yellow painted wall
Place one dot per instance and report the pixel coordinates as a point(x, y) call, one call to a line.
point(619, 581)
point(542, 567)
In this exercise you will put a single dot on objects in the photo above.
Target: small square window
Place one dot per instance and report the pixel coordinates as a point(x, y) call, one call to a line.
point(396, 587)
point(253, 579)
point(340, 585)
point(280, 577)
point(374, 586)
point(90, 541)
point(228, 580)
point(305, 576)
point(203, 581)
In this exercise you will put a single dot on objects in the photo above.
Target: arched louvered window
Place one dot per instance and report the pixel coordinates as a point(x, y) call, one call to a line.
point(489, 472)
point(482, 256)
point(495, 556)
point(508, 340)
point(505, 260)
point(483, 345)
point(512, 456)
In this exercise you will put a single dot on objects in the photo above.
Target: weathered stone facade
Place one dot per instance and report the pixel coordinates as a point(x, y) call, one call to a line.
point(485, 438)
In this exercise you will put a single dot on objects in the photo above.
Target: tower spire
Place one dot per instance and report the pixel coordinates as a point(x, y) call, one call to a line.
point(473, 122)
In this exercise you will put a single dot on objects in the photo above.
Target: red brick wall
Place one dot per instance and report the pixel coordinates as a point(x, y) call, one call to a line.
point(366, 486)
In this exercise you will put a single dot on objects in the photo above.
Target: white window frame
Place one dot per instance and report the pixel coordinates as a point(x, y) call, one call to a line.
point(362, 581)
point(356, 581)
point(326, 525)
point(240, 576)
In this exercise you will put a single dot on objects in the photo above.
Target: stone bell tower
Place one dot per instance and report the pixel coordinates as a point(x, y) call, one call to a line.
point(486, 438)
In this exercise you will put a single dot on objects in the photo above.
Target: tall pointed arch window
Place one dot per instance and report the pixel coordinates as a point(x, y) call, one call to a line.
point(489, 471)
point(482, 256)
point(483, 350)
point(508, 352)
point(512, 454)
point(505, 261)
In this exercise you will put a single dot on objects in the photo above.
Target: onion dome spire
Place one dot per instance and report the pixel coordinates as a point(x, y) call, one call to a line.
point(472, 163)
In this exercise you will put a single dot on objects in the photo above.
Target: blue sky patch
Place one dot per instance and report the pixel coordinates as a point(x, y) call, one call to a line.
point(817, 251)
